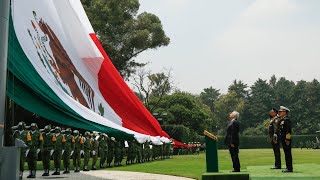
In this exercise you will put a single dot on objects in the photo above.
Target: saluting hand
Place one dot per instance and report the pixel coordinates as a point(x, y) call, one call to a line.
point(232, 145)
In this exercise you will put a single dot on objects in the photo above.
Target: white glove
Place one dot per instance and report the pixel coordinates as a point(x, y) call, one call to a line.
point(62, 152)
point(93, 153)
point(51, 152)
point(38, 150)
point(81, 152)
point(71, 153)
point(27, 152)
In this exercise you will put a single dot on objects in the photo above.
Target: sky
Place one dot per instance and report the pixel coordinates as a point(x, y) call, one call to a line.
point(214, 42)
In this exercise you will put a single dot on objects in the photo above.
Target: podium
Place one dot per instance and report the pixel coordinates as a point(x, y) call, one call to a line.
point(211, 152)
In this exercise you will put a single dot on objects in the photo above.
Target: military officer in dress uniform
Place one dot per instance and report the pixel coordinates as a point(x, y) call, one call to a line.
point(68, 150)
point(49, 140)
point(274, 136)
point(87, 147)
point(24, 135)
point(58, 148)
point(285, 134)
point(232, 140)
point(34, 148)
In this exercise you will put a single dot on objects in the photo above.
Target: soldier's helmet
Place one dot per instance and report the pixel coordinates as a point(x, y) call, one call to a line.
point(105, 135)
point(21, 125)
point(47, 128)
point(68, 131)
point(94, 134)
point(75, 132)
point(87, 134)
point(57, 129)
point(113, 139)
point(34, 126)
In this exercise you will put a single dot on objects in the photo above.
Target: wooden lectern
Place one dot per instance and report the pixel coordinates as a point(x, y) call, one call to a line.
point(211, 152)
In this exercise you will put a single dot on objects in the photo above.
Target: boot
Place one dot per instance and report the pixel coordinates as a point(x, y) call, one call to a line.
point(21, 175)
point(76, 170)
point(57, 172)
point(46, 172)
point(85, 168)
point(67, 171)
point(30, 174)
point(94, 167)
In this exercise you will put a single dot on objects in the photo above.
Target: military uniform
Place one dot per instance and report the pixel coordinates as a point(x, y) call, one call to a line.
point(34, 148)
point(68, 149)
point(274, 138)
point(24, 136)
point(78, 147)
point(95, 149)
point(58, 148)
point(285, 134)
point(49, 140)
point(87, 149)
point(111, 147)
point(103, 149)
point(118, 156)
point(131, 153)
point(146, 150)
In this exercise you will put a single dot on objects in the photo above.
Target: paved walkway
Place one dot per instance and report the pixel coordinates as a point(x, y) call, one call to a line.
point(110, 175)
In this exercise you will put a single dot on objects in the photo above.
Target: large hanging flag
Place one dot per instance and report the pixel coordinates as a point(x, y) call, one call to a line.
point(60, 71)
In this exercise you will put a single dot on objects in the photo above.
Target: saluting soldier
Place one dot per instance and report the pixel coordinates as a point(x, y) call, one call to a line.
point(103, 149)
point(58, 148)
point(285, 133)
point(95, 149)
point(34, 148)
point(274, 136)
point(22, 134)
point(49, 140)
point(87, 147)
point(68, 149)
point(111, 147)
point(78, 148)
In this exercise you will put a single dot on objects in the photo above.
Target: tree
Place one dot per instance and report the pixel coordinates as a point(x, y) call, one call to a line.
point(209, 96)
point(152, 86)
point(239, 88)
point(123, 32)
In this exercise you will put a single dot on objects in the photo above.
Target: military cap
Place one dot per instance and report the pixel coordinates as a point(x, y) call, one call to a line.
point(47, 127)
point(282, 108)
point(75, 132)
point(113, 139)
point(58, 128)
point(274, 109)
point(87, 133)
point(68, 130)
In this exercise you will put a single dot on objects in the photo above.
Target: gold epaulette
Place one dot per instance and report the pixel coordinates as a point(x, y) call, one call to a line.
point(206, 133)
point(288, 136)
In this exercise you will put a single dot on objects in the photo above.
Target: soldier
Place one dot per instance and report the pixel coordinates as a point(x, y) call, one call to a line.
point(78, 148)
point(34, 148)
point(57, 153)
point(138, 152)
point(22, 134)
point(95, 149)
point(130, 152)
point(87, 149)
point(118, 154)
point(103, 149)
point(111, 146)
point(285, 134)
point(68, 150)
point(49, 140)
point(274, 132)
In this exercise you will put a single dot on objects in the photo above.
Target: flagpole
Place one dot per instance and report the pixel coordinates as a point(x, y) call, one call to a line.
point(4, 33)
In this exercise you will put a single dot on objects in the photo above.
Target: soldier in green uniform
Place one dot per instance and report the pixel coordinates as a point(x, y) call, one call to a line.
point(285, 135)
point(118, 154)
point(34, 148)
point(103, 149)
point(139, 152)
point(146, 152)
point(57, 153)
point(78, 147)
point(130, 156)
point(22, 134)
point(95, 149)
point(49, 140)
point(274, 136)
point(87, 149)
point(111, 146)
point(68, 149)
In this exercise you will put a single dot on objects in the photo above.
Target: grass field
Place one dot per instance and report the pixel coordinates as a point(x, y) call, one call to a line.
point(257, 162)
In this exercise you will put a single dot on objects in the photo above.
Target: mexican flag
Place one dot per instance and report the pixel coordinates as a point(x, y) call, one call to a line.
point(60, 71)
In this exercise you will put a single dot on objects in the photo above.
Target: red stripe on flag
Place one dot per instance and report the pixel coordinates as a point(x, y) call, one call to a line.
point(122, 99)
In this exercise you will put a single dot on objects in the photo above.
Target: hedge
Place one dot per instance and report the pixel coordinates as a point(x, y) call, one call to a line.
point(259, 142)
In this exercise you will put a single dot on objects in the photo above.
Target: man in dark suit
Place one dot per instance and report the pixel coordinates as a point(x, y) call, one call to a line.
point(285, 134)
point(274, 136)
point(232, 140)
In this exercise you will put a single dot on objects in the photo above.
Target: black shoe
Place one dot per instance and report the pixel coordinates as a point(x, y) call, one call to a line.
point(86, 170)
point(287, 171)
point(275, 167)
point(235, 170)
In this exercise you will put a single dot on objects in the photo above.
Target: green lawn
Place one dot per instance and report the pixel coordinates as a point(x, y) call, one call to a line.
point(257, 162)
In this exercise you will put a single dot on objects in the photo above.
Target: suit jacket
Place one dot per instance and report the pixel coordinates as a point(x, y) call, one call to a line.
point(232, 136)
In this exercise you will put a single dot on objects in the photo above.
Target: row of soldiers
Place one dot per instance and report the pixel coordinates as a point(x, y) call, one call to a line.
point(65, 144)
